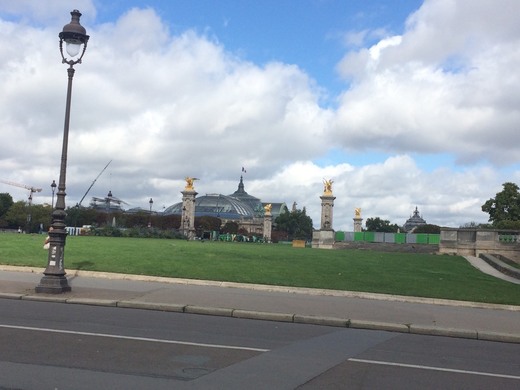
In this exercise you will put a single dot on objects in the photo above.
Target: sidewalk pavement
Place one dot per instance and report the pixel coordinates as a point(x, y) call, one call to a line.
point(300, 305)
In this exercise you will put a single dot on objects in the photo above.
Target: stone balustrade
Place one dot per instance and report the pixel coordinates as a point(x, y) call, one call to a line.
point(473, 242)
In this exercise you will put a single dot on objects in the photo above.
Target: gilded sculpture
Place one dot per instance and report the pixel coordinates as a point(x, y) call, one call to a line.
point(189, 183)
point(327, 186)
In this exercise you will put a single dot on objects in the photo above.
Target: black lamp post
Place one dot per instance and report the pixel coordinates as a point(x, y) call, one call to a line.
point(53, 189)
point(54, 280)
point(29, 216)
point(151, 203)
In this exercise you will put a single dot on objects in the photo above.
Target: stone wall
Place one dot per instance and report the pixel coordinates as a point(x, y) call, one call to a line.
point(388, 247)
point(473, 242)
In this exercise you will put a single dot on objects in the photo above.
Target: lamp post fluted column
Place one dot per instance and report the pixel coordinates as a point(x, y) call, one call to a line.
point(54, 280)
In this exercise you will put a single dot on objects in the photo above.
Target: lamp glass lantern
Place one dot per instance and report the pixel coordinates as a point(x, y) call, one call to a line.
point(53, 189)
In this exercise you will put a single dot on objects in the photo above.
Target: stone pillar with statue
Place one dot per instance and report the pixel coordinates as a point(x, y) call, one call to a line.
point(324, 238)
point(268, 222)
point(188, 209)
point(327, 205)
point(358, 221)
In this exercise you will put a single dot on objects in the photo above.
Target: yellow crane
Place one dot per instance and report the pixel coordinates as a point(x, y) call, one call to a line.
point(31, 189)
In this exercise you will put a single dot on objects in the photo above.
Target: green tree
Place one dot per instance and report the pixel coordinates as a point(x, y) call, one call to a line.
point(428, 228)
point(6, 201)
point(230, 227)
point(79, 216)
point(167, 222)
point(380, 225)
point(40, 217)
point(505, 206)
point(297, 224)
point(507, 224)
point(207, 223)
point(17, 214)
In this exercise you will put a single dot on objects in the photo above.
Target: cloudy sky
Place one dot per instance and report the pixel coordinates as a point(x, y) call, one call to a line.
point(402, 104)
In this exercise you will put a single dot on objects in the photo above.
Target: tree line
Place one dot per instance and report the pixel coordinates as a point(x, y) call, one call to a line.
point(503, 210)
point(33, 218)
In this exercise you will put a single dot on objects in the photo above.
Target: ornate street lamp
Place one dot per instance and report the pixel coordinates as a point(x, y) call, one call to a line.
point(54, 280)
point(29, 216)
point(53, 189)
point(151, 204)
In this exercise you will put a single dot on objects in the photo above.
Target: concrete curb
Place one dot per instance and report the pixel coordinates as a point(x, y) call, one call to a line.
point(326, 321)
point(271, 288)
point(44, 298)
point(213, 311)
point(375, 325)
point(502, 337)
point(263, 315)
point(93, 302)
point(11, 296)
point(173, 307)
point(279, 317)
point(449, 332)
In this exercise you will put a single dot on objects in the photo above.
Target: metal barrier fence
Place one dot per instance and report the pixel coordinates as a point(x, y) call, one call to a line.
point(74, 231)
point(392, 238)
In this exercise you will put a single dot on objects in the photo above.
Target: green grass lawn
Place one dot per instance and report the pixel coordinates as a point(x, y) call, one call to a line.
point(422, 275)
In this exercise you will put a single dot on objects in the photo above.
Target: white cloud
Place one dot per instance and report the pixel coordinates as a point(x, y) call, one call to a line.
point(390, 190)
point(163, 106)
point(160, 106)
point(448, 84)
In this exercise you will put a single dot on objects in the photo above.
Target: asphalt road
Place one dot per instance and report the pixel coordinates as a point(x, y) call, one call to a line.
point(55, 346)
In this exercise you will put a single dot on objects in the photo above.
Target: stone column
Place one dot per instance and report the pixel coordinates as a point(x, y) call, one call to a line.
point(327, 206)
point(188, 214)
point(324, 238)
point(188, 209)
point(358, 221)
point(268, 226)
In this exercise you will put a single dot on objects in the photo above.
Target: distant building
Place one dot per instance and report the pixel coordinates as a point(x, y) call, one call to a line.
point(414, 221)
point(240, 207)
point(108, 204)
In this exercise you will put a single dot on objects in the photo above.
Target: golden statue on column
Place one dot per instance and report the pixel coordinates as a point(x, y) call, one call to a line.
point(189, 183)
point(327, 186)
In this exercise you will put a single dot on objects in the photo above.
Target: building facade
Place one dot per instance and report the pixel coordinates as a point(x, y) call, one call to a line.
point(240, 207)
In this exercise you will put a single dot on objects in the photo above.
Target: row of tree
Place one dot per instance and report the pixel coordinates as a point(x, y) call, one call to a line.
point(22, 215)
point(503, 210)
point(37, 218)
point(383, 225)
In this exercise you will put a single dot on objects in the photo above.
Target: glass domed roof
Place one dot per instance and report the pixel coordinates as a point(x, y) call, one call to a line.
point(253, 202)
point(216, 205)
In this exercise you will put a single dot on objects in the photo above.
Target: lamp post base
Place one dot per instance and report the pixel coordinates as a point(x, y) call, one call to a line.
point(53, 284)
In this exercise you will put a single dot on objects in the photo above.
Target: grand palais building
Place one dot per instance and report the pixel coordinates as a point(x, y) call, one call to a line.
point(240, 207)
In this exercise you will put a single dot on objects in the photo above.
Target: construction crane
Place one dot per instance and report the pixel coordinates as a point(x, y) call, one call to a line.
point(31, 189)
point(94, 182)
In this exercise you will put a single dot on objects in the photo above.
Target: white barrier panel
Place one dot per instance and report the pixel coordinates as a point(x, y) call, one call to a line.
point(73, 231)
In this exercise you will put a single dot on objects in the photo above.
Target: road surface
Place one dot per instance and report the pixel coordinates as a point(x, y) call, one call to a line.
point(47, 345)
